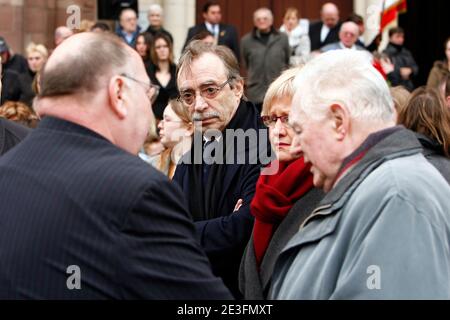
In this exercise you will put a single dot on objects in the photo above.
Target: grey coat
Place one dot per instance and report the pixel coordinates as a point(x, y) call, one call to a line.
point(264, 63)
point(383, 232)
point(253, 283)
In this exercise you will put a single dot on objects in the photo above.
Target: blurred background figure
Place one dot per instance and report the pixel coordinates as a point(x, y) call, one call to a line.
point(205, 36)
point(297, 32)
point(265, 53)
point(325, 31)
point(176, 130)
point(348, 36)
point(10, 60)
point(61, 34)
point(444, 89)
point(162, 72)
point(400, 96)
point(405, 65)
point(224, 34)
point(128, 29)
point(37, 55)
point(100, 27)
point(11, 133)
point(86, 25)
point(144, 42)
point(427, 115)
point(19, 113)
point(440, 68)
point(155, 20)
point(359, 20)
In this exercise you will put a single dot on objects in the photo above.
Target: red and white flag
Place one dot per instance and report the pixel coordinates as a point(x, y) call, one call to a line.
point(390, 12)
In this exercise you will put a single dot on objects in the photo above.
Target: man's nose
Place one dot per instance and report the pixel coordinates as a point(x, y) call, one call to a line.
point(200, 103)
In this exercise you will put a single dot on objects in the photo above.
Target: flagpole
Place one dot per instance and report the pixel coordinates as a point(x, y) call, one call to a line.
point(383, 6)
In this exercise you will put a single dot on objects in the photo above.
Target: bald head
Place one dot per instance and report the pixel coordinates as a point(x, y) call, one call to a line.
point(97, 81)
point(79, 64)
point(329, 15)
point(349, 34)
point(61, 34)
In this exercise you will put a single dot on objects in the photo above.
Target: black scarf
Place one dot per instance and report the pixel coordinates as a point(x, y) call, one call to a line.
point(204, 201)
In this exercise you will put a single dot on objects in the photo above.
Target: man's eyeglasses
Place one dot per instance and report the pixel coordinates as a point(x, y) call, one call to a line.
point(209, 91)
point(152, 90)
point(270, 121)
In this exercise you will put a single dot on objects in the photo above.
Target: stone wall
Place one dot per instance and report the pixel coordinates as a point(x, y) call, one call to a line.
point(25, 21)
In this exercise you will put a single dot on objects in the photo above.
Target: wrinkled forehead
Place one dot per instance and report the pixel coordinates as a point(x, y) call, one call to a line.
point(207, 68)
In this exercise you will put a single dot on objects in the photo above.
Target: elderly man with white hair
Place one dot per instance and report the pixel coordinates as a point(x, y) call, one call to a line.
point(156, 20)
point(61, 34)
point(348, 36)
point(382, 231)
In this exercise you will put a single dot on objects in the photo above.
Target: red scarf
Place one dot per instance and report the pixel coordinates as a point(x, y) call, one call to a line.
point(274, 197)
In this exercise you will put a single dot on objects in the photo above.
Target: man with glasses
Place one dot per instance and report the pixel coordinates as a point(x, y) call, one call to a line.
point(215, 183)
point(82, 216)
point(128, 29)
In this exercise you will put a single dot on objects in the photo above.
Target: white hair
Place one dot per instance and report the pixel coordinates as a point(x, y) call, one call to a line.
point(156, 8)
point(348, 78)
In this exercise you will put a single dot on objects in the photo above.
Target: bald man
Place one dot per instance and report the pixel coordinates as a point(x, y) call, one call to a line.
point(325, 31)
point(82, 217)
point(348, 36)
point(61, 34)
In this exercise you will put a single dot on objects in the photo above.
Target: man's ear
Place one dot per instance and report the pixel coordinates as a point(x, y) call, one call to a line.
point(238, 88)
point(116, 91)
point(341, 121)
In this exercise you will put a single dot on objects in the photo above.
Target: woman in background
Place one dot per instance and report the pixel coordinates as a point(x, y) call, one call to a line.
point(37, 55)
point(176, 130)
point(163, 72)
point(143, 45)
point(19, 113)
point(427, 115)
point(440, 68)
point(297, 33)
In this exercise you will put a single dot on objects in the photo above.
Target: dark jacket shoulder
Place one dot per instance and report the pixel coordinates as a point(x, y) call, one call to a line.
point(10, 134)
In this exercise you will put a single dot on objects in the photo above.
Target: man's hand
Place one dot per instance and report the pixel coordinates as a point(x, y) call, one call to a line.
point(238, 205)
point(387, 65)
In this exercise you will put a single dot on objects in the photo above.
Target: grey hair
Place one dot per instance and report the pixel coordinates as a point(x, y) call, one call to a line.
point(155, 8)
point(263, 9)
point(347, 78)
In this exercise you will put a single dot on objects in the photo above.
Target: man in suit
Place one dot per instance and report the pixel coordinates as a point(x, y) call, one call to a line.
point(224, 34)
point(217, 173)
point(325, 31)
point(82, 216)
point(10, 133)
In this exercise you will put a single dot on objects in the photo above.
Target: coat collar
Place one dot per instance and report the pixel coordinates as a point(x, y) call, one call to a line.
point(401, 142)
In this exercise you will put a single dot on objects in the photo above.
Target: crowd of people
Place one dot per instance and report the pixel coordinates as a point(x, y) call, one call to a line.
point(188, 181)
